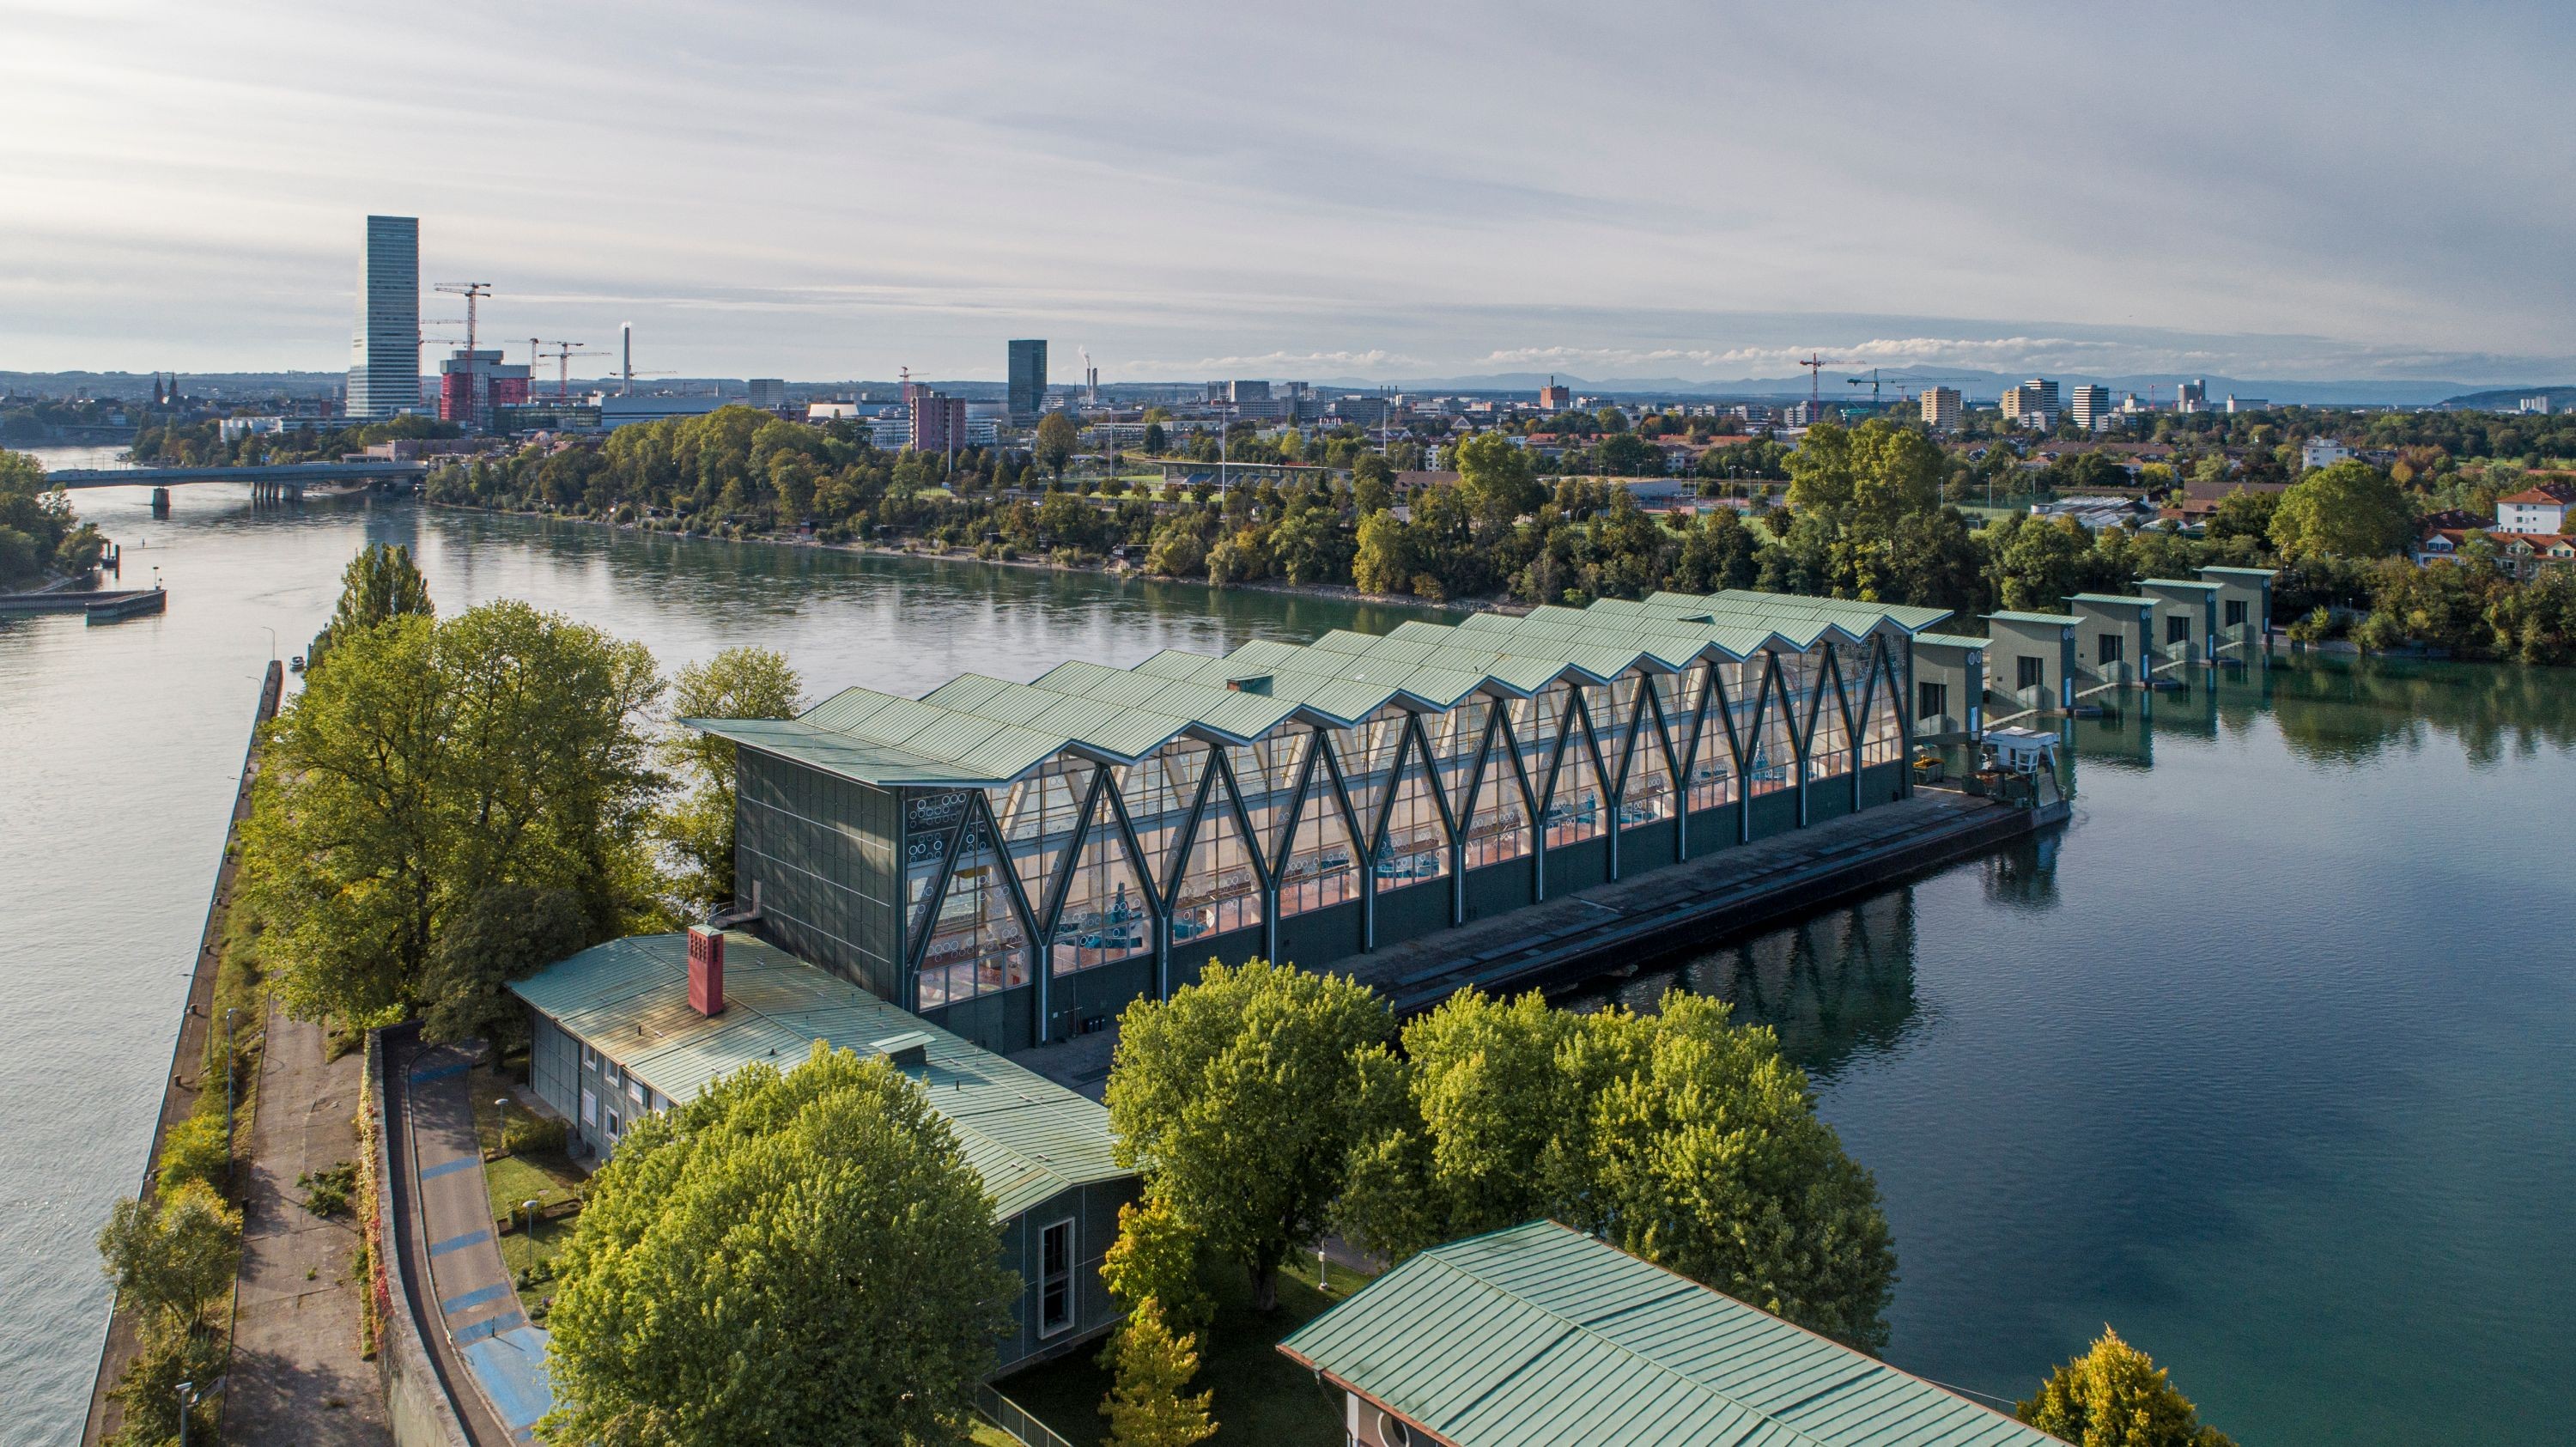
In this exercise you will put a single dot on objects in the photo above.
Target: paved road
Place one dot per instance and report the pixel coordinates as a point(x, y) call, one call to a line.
point(297, 1376)
point(477, 1308)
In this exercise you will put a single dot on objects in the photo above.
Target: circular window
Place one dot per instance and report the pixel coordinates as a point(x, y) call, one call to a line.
point(1392, 1432)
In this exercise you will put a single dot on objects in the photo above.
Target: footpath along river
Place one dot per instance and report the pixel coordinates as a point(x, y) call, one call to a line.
point(2264, 1060)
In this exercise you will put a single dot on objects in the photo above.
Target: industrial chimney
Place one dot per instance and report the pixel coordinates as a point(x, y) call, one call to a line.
point(706, 970)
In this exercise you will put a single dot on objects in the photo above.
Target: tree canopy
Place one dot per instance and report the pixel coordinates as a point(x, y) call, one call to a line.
point(380, 583)
point(1678, 1136)
point(742, 682)
point(428, 760)
point(2348, 510)
point(791, 1257)
point(39, 533)
point(1239, 1100)
point(2115, 1396)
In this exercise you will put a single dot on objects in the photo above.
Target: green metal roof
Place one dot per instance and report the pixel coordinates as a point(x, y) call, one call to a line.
point(1540, 1336)
point(1028, 1138)
point(1953, 640)
point(979, 730)
point(2110, 600)
point(2052, 619)
point(2174, 583)
point(2245, 572)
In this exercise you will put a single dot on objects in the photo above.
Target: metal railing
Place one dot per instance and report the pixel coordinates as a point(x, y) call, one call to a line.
point(1013, 1418)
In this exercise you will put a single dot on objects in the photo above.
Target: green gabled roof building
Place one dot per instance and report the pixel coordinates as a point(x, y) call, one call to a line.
point(1541, 1336)
point(1018, 860)
point(623, 1029)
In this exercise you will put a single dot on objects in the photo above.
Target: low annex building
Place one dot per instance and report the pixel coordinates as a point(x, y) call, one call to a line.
point(1541, 1336)
point(636, 1024)
point(1017, 861)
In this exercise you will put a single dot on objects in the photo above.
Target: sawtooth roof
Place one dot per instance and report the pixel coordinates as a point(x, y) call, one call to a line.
point(977, 730)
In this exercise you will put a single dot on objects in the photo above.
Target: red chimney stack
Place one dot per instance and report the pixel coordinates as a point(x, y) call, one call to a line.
point(706, 970)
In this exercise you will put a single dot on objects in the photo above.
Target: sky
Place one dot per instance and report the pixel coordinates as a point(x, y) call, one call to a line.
point(1324, 190)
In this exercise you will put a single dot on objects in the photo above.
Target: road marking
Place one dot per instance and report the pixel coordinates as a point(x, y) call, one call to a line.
point(424, 1077)
point(494, 1327)
point(458, 1243)
point(475, 1298)
point(448, 1168)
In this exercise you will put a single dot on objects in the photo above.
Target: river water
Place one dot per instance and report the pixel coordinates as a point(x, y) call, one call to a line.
point(2264, 1060)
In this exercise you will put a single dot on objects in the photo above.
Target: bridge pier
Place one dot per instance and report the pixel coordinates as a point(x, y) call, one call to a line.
point(160, 502)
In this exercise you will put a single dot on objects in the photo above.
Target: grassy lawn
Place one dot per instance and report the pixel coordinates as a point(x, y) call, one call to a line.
point(535, 1169)
point(1261, 1397)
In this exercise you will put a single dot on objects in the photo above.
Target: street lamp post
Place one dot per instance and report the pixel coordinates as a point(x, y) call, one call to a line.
point(229, 1013)
point(530, 1206)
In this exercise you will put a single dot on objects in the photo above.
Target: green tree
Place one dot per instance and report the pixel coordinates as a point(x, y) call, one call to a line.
point(1496, 482)
point(1238, 1099)
point(1867, 481)
point(1386, 559)
point(1683, 1139)
point(381, 582)
point(195, 1150)
point(427, 761)
point(2036, 562)
point(740, 682)
point(2244, 513)
point(505, 932)
point(167, 1353)
point(1155, 441)
point(1146, 1408)
point(1156, 1258)
point(174, 1259)
point(1056, 439)
point(2349, 510)
point(2115, 1396)
point(1372, 484)
point(796, 1257)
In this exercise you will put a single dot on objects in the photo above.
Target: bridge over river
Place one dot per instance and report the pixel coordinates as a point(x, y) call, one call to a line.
point(276, 480)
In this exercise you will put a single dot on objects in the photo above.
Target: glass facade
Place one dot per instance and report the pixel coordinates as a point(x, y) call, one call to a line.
point(1080, 863)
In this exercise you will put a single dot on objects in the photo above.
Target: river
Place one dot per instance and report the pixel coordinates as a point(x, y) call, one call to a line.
point(2264, 1060)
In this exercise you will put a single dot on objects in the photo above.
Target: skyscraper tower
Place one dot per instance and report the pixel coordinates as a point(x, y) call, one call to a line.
point(1028, 380)
point(384, 356)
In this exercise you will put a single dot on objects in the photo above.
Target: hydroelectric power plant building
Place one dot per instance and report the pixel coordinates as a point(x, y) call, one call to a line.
point(1015, 862)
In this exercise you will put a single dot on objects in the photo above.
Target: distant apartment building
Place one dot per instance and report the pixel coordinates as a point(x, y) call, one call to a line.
point(2541, 509)
point(384, 355)
point(471, 385)
point(2237, 404)
point(1941, 408)
point(2192, 396)
point(1553, 398)
point(2322, 452)
point(891, 431)
point(768, 393)
point(1802, 414)
point(1027, 385)
point(2032, 404)
point(938, 421)
point(2536, 406)
point(2090, 406)
point(1247, 391)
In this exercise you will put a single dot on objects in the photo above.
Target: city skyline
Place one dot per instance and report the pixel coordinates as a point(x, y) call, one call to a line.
point(1372, 198)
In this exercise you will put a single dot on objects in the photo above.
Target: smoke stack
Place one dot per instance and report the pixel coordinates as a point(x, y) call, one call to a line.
point(706, 970)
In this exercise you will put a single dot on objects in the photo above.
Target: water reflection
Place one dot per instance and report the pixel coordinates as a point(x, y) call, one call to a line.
point(1835, 986)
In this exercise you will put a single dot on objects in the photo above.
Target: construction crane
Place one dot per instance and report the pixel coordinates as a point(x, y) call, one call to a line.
point(1815, 366)
point(1873, 379)
point(563, 353)
point(472, 291)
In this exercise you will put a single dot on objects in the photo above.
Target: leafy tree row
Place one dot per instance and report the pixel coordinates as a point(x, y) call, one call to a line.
point(40, 536)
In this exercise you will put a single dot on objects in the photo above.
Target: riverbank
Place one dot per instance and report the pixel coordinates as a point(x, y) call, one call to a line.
point(1330, 592)
point(196, 1041)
